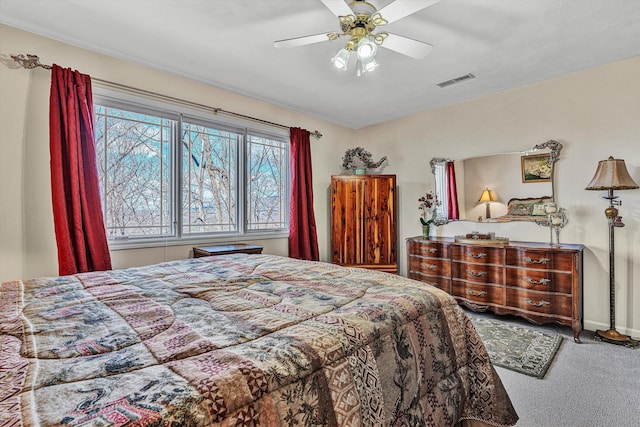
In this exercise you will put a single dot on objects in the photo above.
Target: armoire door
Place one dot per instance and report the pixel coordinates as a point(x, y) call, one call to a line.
point(348, 204)
point(380, 220)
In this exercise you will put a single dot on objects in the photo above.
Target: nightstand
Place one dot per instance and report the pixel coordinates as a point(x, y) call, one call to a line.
point(238, 248)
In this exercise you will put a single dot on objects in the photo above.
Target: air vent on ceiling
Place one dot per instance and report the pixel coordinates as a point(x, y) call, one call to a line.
point(456, 80)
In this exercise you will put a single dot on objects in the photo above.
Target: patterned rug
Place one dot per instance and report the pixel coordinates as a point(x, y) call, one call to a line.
point(516, 347)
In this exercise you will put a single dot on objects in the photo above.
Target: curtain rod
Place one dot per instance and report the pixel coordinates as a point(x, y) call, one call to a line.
point(30, 62)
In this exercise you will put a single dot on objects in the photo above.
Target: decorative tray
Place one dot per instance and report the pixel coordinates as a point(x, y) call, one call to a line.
point(476, 238)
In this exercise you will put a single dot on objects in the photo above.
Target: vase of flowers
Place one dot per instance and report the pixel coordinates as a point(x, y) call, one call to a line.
point(428, 205)
point(360, 160)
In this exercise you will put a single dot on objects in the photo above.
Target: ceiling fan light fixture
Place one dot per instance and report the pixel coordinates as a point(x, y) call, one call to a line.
point(366, 49)
point(341, 60)
point(369, 64)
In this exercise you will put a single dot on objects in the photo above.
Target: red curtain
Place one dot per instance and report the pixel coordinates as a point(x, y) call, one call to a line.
point(303, 238)
point(77, 213)
point(452, 196)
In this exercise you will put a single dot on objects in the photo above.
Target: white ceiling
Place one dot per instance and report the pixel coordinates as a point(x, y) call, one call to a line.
point(229, 44)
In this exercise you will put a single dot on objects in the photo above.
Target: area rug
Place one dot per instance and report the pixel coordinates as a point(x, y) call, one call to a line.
point(516, 347)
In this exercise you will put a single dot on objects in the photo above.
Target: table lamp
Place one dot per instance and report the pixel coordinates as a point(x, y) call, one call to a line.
point(487, 196)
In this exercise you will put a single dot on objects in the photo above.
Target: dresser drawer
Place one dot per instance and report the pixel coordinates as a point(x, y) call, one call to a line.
point(477, 272)
point(544, 259)
point(479, 254)
point(443, 283)
point(430, 266)
point(483, 294)
point(429, 249)
point(539, 302)
point(539, 280)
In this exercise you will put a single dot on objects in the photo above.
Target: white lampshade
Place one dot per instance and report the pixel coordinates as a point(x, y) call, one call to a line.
point(341, 60)
point(369, 64)
point(366, 49)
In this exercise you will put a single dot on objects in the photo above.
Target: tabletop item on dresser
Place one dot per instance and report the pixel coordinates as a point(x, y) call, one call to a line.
point(612, 175)
point(481, 238)
point(360, 161)
point(526, 279)
point(557, 221)
point(428, 204)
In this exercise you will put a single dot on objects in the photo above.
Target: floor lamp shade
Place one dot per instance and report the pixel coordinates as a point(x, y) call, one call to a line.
point(612, 175)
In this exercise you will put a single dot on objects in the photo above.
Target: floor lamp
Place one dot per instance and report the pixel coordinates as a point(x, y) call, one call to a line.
point(612, 175)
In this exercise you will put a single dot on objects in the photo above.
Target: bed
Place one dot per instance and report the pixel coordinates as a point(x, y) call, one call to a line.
point(524, 209)
point(241, 340)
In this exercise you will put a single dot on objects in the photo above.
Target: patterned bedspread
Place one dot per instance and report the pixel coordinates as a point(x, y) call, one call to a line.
point(241, 340)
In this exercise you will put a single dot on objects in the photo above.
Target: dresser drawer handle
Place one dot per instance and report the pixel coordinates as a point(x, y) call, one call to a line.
point(539, 261)
point(542, 303)
point(430, 250)
point(428, 266)
point(476, 256)
point(474, 274)
point(542, 282)
point(476, 293)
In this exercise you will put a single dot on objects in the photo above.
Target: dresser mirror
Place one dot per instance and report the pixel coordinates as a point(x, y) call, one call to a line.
point(519, 184)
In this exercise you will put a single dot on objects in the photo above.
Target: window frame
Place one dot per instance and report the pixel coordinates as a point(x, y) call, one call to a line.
point(187, 112)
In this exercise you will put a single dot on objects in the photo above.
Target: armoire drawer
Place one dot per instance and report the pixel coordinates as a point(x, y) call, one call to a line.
point(539, 280)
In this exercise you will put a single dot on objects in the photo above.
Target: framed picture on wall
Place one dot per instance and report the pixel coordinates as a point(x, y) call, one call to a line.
point(536, 168)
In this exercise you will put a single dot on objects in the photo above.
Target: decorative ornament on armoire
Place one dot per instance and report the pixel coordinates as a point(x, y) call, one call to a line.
point(360, 161)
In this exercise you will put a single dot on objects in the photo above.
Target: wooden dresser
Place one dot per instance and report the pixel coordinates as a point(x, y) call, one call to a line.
point(531, 280)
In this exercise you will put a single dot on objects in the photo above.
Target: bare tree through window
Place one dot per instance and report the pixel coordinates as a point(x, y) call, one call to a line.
point(138, 171)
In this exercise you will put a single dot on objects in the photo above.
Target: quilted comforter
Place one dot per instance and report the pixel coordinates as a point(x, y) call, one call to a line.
point(241, 340)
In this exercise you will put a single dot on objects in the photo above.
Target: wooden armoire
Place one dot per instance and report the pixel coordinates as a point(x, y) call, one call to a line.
point(364, 221)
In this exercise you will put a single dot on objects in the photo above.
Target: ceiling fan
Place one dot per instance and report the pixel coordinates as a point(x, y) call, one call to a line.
point(358, 20)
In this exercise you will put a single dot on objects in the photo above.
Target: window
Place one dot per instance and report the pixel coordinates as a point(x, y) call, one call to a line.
point(166, 175)
point(440, 173)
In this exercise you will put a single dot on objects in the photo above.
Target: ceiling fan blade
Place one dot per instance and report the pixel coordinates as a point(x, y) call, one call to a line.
point(406, 46)
point(305, 40)
point(338, 7)
point(401, 8)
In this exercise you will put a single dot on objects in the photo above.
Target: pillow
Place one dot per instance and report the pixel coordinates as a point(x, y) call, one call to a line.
point(538, 209)
point(518, 209)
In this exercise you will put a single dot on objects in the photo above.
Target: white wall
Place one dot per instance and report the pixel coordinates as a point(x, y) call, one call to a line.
point(27, 242)
point(593, 113)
